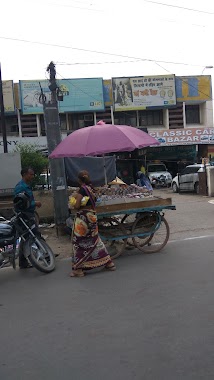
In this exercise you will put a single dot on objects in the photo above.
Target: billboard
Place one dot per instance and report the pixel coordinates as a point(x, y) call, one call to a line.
point(139, 93)
point(7, 88)
point(193, 88)
point(79, 95)
point(107, 92)
point(17, 96)
point(184, 136)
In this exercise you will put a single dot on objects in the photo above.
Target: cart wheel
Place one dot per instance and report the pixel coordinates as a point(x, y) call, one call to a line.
point(114, 247)
point(145, 223)
point(157, 240)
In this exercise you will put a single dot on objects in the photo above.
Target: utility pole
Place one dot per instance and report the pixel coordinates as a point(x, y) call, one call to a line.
point(3, 123)
point(53, 133)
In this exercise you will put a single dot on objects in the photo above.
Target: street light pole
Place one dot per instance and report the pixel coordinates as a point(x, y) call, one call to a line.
point(3, 123)
point(53, 133)
point(207, 67)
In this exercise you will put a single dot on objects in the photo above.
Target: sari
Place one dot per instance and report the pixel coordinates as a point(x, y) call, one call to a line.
point(89, 252)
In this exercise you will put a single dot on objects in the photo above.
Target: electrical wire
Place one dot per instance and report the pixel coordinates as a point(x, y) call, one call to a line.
point(83, 7)
point(94, 63)
point(98, 52)
point(73, 6)
point(179, 7)
point(115, 62)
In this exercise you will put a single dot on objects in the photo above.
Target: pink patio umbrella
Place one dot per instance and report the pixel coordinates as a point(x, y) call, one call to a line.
point(102, 138)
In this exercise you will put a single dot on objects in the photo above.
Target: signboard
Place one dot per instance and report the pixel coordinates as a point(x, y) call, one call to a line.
point(138, 93)
point(172, 152)
point(13, 142)
point(194, 88)
point(78, 95)
point(184, 136)
point(107, 92)
point(17, 96)
point(7, 88)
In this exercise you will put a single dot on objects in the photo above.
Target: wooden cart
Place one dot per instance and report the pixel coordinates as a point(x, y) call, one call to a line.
point(138, 224)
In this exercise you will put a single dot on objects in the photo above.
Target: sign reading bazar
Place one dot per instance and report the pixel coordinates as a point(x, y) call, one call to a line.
point(184, 136)
point(138, 93)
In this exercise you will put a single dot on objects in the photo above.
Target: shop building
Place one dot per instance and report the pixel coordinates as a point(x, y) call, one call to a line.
point(178, 111)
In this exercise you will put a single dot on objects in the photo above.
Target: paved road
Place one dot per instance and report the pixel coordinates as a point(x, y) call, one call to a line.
point(194, 215)
point(152, 319)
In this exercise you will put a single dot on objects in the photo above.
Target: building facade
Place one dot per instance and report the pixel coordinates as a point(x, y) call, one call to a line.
point(178, 111)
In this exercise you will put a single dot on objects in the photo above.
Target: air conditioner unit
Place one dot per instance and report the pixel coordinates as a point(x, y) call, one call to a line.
point(88, 117)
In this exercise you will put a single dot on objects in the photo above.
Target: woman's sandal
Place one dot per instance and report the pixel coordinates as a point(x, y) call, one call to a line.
point(110, 267)
point(77, 273)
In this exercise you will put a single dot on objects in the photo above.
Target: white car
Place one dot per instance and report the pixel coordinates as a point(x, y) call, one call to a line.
point(157, 170)
point(188, 179)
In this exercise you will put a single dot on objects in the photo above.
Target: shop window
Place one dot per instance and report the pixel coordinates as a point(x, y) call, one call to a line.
point(11, 126)
point(77, 120)
point(29, 125)
point(193, 114)
point(63, 124)
point(125, 118)
point(149, 118)
point(42, 124)
point(88, 119)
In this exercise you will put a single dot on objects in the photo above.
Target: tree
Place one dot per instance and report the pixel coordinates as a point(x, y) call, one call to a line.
point(31, 157)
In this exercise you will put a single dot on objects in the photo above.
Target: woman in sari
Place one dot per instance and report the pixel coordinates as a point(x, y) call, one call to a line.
point(89, 252)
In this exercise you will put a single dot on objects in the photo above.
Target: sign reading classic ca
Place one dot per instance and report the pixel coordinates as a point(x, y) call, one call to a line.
point(184, 136)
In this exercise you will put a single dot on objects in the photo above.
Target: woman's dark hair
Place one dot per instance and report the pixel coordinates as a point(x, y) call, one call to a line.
point(84, 177)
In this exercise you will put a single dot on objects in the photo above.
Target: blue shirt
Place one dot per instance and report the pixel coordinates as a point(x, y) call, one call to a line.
point(23, 187)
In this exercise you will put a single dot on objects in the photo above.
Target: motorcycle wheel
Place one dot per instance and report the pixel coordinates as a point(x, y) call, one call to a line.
point(44, 262)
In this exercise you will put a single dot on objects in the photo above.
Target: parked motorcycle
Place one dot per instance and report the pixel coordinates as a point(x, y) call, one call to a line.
point(158, 182)
point(21, 234)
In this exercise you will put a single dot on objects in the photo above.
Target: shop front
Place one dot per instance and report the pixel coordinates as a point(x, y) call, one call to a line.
point(174, 157)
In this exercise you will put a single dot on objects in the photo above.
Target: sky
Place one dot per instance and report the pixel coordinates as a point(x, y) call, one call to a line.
point(100, 38)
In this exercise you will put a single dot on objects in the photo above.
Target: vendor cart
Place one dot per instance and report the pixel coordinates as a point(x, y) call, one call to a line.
point(131, 224)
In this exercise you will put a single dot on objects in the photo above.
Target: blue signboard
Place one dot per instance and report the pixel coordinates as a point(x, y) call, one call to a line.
point(79, 95)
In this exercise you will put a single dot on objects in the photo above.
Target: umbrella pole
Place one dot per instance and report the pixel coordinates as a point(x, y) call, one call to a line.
point(104, 166)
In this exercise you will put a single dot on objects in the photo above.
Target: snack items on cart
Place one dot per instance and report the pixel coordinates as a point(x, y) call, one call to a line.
point(121, 194)
point(111, 194)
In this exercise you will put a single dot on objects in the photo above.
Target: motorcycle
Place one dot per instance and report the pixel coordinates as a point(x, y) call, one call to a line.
point(20, 234)
point(158, 182)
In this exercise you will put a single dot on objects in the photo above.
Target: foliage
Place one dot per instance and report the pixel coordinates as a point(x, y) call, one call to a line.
point(31, 157)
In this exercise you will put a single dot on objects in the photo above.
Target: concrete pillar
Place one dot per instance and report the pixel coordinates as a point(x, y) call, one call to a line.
point(38, 125)
point(184, 115)
point(112, 115)
point(19, 123)
point(138, 123)
point(210, 180)
point(95, 118)
point(67, 122)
